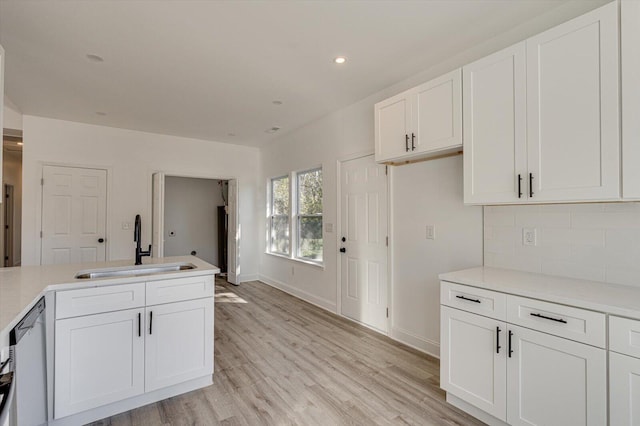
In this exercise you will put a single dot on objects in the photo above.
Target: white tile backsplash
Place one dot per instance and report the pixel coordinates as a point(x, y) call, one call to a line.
point(598, 241)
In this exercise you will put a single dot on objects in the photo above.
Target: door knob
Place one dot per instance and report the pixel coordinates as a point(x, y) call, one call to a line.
point(343, 250)
point(101, 240)
point(344, 239)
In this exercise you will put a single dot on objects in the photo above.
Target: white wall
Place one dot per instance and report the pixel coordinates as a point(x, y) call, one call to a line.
point(191, 213)
point(130, 158)
point(429, 193)
point(12, 175)
point(599, 241)
point(12, 115)
point(350, 131)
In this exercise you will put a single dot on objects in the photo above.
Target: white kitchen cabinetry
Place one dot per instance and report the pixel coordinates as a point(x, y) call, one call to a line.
point(557, 138)
point(472, 366)
point(110, 346)
point(624, 371)
point(523, 375)
point(421, 122)
point(179, 343)
point(99, 360)
point(630, 75)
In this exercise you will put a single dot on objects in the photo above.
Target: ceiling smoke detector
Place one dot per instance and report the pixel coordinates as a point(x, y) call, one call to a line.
point(273, 129)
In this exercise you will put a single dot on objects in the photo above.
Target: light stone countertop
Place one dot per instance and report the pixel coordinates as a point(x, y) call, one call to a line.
point(597, 296)
point(21, 287)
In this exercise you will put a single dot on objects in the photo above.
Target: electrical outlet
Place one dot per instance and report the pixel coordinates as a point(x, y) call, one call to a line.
point(431, 232)
point(328, 227)
point(529, 237)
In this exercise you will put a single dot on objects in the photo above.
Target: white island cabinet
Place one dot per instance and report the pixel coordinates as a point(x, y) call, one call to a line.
point(107, 353)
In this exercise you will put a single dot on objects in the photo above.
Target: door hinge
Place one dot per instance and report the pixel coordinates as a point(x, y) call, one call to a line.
point(386, 170)
point(42, 182)
point(387, 241)
point(387, 312)
point(40, 234)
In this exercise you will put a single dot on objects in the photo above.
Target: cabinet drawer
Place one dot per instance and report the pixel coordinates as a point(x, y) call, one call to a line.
point(175, 290)
point(94, 300)
point(472, 299)
point(624, 336)
point(564, 321)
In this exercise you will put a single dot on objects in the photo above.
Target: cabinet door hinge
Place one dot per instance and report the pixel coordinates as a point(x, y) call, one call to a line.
point(40, 234)
point(386, 170)
point(387, 312)
point(42, 182)
point(387, 241)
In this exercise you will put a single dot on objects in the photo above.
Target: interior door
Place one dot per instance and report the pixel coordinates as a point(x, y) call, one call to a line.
point(74, 211)
point(157, 233)
point(363, 195)
point(234, 235)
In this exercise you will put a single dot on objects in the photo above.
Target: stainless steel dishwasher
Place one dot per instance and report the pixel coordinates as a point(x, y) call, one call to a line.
point(30, 368)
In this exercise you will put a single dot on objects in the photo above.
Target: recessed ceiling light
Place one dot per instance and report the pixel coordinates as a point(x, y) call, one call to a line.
point(277, 102)
point(100, 113)
point(273, 129)
point(340, 60)
point(94, 58)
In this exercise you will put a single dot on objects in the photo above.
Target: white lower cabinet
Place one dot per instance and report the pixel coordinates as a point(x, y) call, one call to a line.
point(179, 343)
point(519, 375)
point(472, 360)
point(99, 359)
point(554, 381)
point(624, 390)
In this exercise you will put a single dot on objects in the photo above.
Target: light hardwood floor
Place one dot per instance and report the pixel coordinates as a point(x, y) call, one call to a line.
point(282, 361)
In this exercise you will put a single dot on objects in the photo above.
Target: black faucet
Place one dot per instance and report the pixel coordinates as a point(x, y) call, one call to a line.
point(136, 237)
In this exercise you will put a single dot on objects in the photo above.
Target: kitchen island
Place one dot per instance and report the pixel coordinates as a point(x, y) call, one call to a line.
point(135, 336)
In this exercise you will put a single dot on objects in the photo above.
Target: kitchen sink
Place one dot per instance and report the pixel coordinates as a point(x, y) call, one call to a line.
point(133, 271)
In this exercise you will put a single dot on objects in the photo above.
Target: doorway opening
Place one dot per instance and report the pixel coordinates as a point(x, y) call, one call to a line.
point(197, 216)
point(11, 216)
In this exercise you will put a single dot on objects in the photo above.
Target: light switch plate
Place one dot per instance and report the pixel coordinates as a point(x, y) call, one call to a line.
point(529, 237)
point(328, 227)
point(431, 232)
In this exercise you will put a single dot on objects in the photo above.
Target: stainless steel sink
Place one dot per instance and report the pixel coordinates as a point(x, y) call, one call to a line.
point(133, 271)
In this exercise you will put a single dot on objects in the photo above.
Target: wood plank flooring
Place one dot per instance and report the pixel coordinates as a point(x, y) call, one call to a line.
point(282, 361)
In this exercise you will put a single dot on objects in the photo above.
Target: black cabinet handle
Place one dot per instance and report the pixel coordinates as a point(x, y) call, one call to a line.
point(469, 299)
point(548, 318)
point(151, 322)
point(406, 142)
point(498, 340)
point(139, 324)
point(530, 185)
point(413, 140)
point(510, 350)
point(343, 250)
point(519, 186)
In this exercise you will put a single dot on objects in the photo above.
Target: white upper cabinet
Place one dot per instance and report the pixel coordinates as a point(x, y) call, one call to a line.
point(630, 71)
point(494, 127)
point(541, 118)
point(572, 105)
point(421, 122)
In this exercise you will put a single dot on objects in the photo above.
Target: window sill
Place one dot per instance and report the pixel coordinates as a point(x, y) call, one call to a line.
point(295, 259)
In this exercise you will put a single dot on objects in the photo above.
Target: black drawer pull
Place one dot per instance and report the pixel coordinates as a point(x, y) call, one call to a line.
point(469, 299)
point(498, 340)
point(549, 318)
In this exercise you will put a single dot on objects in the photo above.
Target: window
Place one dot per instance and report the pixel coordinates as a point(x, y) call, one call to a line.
point(309, 215)
point(279, 229)
point(303, 240)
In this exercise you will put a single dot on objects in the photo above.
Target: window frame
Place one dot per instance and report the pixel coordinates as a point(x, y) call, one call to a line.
point(273, 216)
point(293, 216)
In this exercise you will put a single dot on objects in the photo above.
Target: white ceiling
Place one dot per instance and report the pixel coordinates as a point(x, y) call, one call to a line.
point(205, 69)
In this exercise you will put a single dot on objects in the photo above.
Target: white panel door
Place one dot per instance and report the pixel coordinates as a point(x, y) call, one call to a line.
point(494, 103)
point(157, 233)
point(363, 194)
point(573, 111)
point(437, 114)
point(74, 204)
point(624, 390)
point(234, 235)
point(99, 359)
point(179, 342)
point(473, 360)
point(555, 381)
point(393, 123)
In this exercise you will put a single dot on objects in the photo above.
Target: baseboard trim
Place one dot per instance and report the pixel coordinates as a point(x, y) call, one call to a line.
point(420, 343)
point(300, 294)
point(247, 278)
